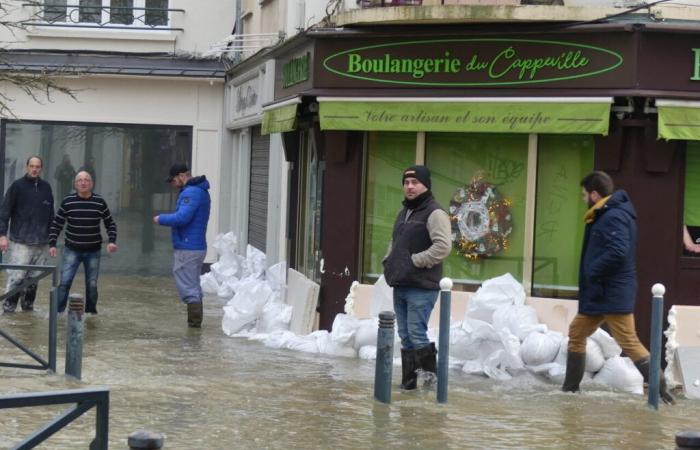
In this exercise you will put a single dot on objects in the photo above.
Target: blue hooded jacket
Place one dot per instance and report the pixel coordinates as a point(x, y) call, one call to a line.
point(189, 221)
point(608, 275)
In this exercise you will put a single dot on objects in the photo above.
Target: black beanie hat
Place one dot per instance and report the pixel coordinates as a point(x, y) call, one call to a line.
point(420, 173)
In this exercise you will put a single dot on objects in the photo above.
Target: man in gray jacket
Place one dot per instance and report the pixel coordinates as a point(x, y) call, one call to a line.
point(413, 267)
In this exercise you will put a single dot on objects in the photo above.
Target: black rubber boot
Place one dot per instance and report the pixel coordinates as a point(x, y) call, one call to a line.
point(427, 362)
point(10, 303)
point(28, 298)
point(575, 367)
point(195, 311)
point(643, 367)
point(409, 377)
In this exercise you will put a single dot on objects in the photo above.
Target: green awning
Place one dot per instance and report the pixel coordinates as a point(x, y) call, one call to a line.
point(679, 119)
point(280, 117)
point(479, 115)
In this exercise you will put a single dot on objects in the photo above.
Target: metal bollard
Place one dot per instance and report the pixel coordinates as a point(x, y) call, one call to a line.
point(686, 440)
point(74, 335)
point(385, 357)
point(657, 308)
point(145, 439)
point(444, 339)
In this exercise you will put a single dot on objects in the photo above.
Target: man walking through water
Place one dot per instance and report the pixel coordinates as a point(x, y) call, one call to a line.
point(413, 267)
point(189, 229)
point(26, 212)
point(607, 279)
point(81, 212)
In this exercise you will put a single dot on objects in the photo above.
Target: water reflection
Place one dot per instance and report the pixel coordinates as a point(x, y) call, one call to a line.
point(207, 391)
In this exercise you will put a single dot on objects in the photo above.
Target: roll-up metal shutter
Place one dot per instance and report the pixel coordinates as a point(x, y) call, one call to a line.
point(259, 175)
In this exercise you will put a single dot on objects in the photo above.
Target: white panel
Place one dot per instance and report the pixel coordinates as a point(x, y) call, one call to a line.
point(205, 161)
point(302, 295)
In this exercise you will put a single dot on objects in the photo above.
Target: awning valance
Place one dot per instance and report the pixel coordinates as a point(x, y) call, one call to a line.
point(479, 115)
point(679, 119)
point(281, 116)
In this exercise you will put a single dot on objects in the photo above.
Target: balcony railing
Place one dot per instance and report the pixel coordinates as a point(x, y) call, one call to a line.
point(97, 14)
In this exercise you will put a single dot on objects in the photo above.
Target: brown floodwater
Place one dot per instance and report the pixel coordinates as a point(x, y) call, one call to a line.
point(204, 390)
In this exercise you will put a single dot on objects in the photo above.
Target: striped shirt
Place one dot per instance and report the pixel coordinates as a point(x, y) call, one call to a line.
point(82, 218)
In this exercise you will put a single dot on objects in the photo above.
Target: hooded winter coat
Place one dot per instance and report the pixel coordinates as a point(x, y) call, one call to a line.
point(608, 275)
point(189, 221)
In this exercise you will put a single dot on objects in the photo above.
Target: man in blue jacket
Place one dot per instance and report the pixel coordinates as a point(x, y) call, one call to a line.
point(189, 229)
point(25, 216)
point(607, 279)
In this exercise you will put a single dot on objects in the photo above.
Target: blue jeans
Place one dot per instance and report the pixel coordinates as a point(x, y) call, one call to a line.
point(187, 266)
point(69, 266)
point(413, 307)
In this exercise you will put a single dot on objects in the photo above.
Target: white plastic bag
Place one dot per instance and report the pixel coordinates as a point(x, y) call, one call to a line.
point(594, 356)
point(607, 344)
point(620, 374)
point(276, 275)
point(208, 283)
point(540, 348)
point(494, 293)
point(344, 329)
point(520, 320)
point(275, 316)
point(366, 333)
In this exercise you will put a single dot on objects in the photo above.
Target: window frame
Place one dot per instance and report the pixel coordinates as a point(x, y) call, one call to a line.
point(73, 7)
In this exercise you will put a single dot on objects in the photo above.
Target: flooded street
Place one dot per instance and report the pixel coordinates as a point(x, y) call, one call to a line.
point(204, 390)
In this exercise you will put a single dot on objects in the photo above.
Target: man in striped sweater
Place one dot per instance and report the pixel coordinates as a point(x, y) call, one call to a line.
point(82, 212)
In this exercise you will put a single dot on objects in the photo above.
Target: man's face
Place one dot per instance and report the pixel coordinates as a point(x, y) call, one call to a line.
point(178, 181)
point(34, 168)
point(412, 188)
point(83, 183)
point(589, 198)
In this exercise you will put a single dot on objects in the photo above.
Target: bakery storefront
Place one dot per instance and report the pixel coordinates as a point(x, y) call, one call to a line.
point(508, 124)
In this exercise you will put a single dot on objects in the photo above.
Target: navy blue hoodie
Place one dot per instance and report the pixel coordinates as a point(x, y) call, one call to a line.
point(28, 210)
point(608, 275)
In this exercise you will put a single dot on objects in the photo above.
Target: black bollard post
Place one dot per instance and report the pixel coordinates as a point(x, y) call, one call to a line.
point(74, 336)
point(686, 440)
point(385, 357)
point(444, 338)
point(145, 439)
point(657, 308)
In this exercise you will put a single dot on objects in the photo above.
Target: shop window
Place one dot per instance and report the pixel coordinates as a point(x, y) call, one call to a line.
point(497, 164)
point(691, 209)
point(128, 164)
point(388, 155)
point(562, 162)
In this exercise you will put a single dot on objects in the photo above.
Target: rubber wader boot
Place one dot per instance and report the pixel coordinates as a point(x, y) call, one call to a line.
point(409, 377)
point(10, 303)
point(427, 362)
point(575, 366)
point(643, 367)
point(194, 314)
point(28, 298)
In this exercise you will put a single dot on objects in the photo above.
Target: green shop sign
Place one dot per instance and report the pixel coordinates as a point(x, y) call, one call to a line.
point(296, 70)
point(472, 62)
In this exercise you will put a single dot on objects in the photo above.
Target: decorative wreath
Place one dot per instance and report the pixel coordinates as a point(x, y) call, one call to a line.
point(481, 219)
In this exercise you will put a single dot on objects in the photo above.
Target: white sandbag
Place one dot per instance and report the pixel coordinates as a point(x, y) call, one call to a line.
point(366, 333)
point(349, 307)
point(245, 306)
point(255, 262)
point(225, 243)
point(494, 293)
point(594, 356)
point(520, 320)
point(461, 343)
point(234, 320)
point(208, 283)
point(511, 360)
point(479, 329)
point(540, 348)
point(306, 344)
point(473, 367)
point(336, 349)
point(620, 374)
point(224, 291)
point(276, 275)
point(344, 329)
point(607, 344)
point(323, 338)
point(275, 316)
point(223, 272)
point(494, 366)
point(553, 371)
point(382, 297)
point(368, 352)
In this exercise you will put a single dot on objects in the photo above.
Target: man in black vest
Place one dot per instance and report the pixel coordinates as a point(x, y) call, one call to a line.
point(413, 267)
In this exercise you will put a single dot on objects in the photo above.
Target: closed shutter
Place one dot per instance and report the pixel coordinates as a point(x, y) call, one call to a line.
point(259, 175)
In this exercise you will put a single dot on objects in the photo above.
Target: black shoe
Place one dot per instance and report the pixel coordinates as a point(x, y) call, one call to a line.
point(409, 377)
point(427, 358)
point(28, 298)
point(195, 311)
point(575, 367)
point(643, 367)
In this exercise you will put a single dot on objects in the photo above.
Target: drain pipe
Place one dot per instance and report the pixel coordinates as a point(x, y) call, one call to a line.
point(657, 307)
point(444, 338)
point(74, 336)
point(385, 357)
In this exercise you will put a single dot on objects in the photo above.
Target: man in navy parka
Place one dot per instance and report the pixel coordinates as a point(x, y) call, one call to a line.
point(189, 229)
point(607, 279)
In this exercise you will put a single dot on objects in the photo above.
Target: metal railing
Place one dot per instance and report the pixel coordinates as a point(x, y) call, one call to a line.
point(47, 14)
point(53, 313)
point(84, 399)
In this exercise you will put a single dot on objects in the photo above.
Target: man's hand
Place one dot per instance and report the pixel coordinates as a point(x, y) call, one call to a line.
point(156, 220)
point(52, 252)
point(111, 248)
point(3, 244)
